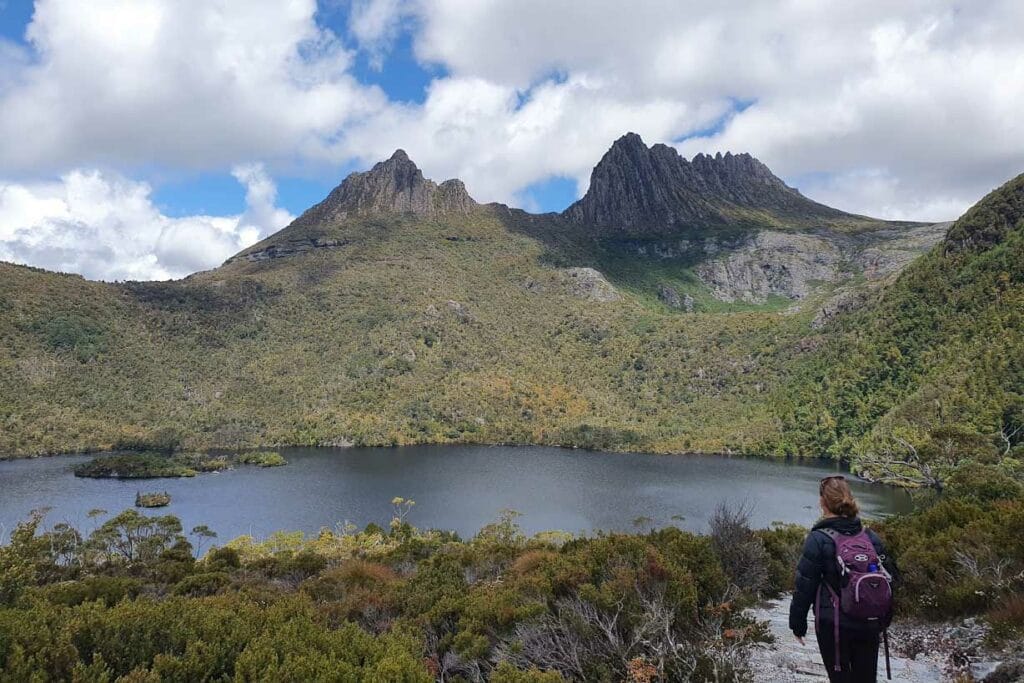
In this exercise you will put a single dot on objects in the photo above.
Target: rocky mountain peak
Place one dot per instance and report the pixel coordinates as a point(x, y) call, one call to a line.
point(649, 191)
point(396, 185)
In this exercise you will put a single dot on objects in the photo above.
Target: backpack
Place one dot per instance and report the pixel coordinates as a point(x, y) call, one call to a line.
point(865, 586)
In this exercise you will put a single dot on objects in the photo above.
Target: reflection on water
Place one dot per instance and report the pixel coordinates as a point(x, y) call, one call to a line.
point(455, 487)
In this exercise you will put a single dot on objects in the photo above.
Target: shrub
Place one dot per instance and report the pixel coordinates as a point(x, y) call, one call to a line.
point(1007, 619)
point(262, 459)
point(783, 544)
point(957, 556)
point(506, 673)
point(206, 583)
point(133, 466)
point(152, 500)
point(223, 559)
point(109, 590)
point(741, 551)
point(983, 483)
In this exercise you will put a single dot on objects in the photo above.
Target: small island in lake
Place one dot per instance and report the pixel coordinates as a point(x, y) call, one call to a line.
point(152, 500)
point(154, 465)
point(262, 459)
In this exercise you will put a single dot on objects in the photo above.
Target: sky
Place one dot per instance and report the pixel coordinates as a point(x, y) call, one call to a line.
point(149, 139)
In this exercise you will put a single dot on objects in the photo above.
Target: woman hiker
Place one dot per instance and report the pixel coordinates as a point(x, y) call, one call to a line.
point(844, 569)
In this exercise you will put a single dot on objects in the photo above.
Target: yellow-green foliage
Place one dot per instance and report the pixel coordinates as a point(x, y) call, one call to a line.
point(958, 556)
point(262, 459)
point(463, 329)
point(360, 344)
point(130, 600)
point(929, 372)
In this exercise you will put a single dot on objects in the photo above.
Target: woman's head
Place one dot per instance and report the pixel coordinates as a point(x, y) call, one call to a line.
point(836, 497)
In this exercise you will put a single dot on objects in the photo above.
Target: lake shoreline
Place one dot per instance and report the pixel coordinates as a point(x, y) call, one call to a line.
point(455, 487)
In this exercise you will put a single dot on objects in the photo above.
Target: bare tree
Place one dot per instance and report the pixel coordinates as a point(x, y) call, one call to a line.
point(742, 553)
point(902, 465)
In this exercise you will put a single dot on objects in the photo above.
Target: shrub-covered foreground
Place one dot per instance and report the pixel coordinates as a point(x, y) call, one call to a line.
point(130, 602)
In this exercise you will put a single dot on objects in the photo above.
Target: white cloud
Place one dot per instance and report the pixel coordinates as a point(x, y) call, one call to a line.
point(924, 93)
point(499, 139)
point(106, 227)
point(375, 24)
point(195, 83)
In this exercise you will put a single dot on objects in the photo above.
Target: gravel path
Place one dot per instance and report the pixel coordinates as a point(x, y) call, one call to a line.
point(788, 661)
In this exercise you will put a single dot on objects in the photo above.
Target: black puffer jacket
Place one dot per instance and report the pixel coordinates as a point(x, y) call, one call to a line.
point(818, 566)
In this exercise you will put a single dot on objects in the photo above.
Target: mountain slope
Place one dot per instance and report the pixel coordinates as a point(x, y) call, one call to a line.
point(932, 371)
point(400, 311)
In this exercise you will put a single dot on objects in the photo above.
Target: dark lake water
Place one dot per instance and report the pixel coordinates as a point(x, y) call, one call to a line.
point(459, 488)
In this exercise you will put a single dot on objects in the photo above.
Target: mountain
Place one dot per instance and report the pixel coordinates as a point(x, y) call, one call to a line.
point(727, 224)
point(399, 310)
point(930, 371)
point(642, 191)
point(395, 185)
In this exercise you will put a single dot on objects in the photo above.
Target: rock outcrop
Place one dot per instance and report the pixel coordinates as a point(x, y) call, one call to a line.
point(589, 284)
point(637, 190)
point(393, 186)
point(671, 298)
point(884, 252)
point(289, 248)
point(772, 263)
point(792, 264)
point(842, 302)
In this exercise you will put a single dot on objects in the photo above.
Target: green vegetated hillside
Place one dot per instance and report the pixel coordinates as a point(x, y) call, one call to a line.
point(931, 373)
point(399, 311)
point(448, 329)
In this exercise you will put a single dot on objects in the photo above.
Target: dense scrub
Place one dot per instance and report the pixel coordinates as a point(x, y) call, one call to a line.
point(931, 374)
point(130, 600)
point(417, 331)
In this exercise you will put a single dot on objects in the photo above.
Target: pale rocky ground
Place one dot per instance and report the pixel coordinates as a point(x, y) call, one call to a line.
point(786, 661)
point(793, 265)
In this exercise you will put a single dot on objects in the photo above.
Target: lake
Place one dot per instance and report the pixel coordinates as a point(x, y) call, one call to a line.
point(460, 488)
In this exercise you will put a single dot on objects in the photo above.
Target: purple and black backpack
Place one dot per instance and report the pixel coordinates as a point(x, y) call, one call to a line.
point(865, 586)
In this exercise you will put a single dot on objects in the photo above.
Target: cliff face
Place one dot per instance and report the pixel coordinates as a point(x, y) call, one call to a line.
point(393, 186)
point(792, 265)
point(640, 191)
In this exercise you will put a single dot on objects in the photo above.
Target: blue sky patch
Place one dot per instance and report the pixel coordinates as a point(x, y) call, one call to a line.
point(15, 16)
point(551, 194)
point(210, 194)
point(401, 77)
point(296, 194)
point(718, 125)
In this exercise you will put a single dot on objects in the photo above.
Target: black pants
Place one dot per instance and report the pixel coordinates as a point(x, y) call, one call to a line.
point(858, 654)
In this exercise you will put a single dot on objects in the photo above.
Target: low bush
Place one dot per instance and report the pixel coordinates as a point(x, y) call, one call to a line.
point(130, 599)
point(109, 590)
point(1006, 620)
point(958, 556)
point(206, 583)
point(262, 459)
point(783, 544)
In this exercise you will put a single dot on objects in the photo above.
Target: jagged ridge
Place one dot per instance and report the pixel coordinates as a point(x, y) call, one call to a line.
point(637, 190)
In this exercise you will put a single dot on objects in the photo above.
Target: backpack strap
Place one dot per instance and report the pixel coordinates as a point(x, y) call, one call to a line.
point(832, 535)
